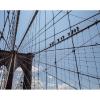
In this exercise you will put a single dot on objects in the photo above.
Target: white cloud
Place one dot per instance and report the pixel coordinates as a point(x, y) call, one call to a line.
point(50, 77)
point(35, 69)
point(60, 86)
point(64, 86)
point(38, 84)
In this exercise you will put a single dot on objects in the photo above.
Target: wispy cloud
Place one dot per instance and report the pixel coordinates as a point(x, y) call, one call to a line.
point(36, 69)
point(37, 83)
point(64, 86)
point(50, 77)
point(60, 86)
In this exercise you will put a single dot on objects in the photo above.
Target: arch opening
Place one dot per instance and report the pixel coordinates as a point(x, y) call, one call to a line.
point(18, 79)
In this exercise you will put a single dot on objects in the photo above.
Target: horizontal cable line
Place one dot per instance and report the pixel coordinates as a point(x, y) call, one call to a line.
point(69, 36)
point(44, 27)
point(96, 44)
point(53, 24)
point(47, 28)
point(47, 23)
point(42, 41)
point(83, 44)
point(61, 80)
point(80, 17)
point(68, 27)
point(71, 70)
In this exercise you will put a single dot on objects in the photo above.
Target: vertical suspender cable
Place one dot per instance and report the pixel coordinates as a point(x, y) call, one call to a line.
point(55, 52)
point(74, 53)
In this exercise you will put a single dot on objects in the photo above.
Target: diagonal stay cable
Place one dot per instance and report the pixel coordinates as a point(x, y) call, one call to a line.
point(81, 73)
point(67, 70)
point(16, 27)
point(68, 27)
point(6, 43)
point(10, 21)
point(36, 12)
point(5, 22)
point(96, 22)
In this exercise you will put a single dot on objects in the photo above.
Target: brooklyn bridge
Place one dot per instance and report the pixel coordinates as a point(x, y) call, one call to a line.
point(50, 49)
